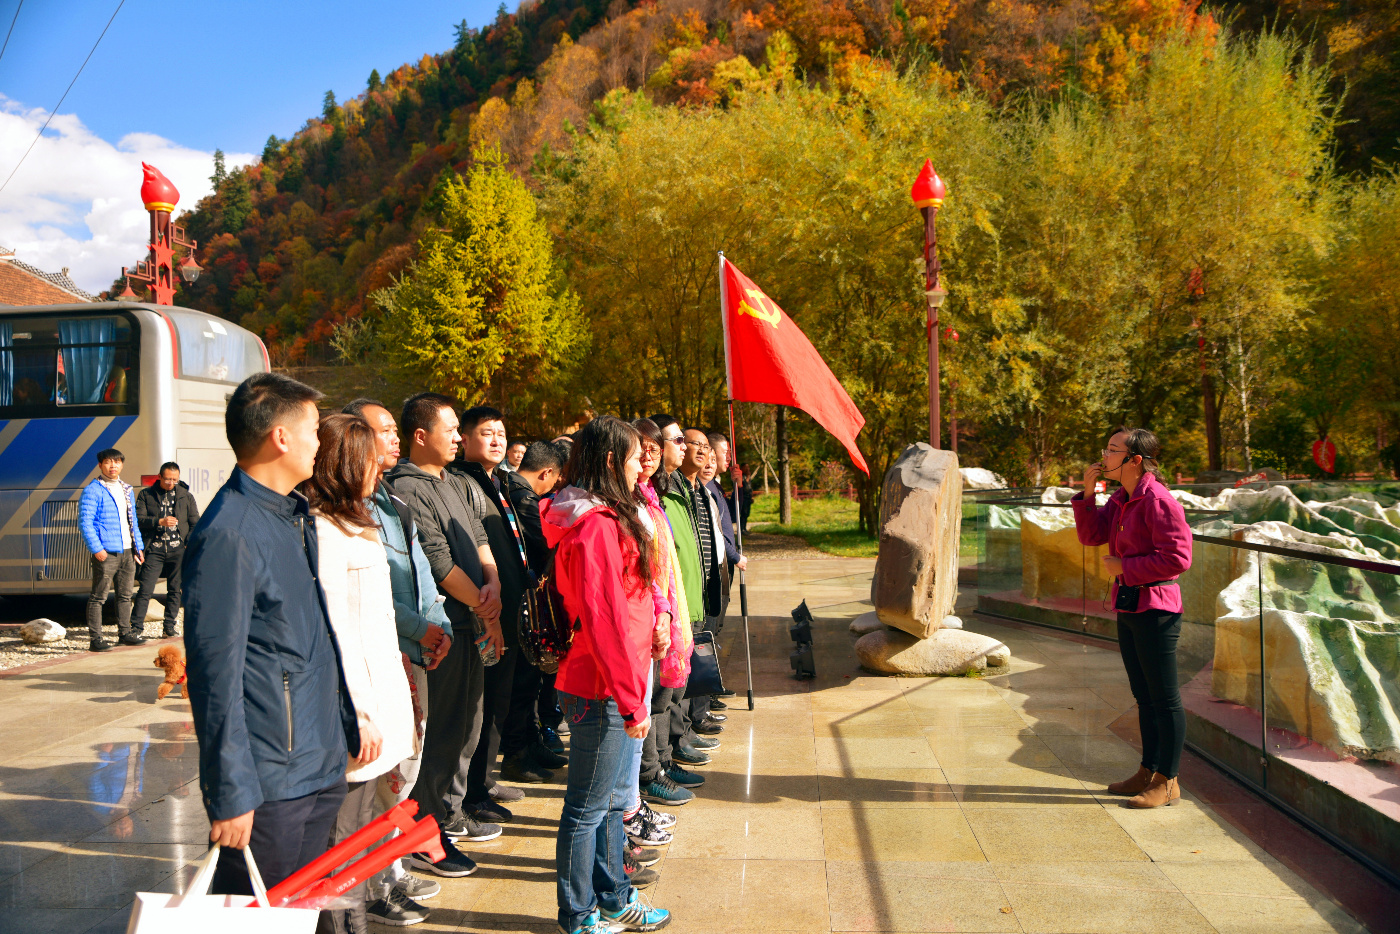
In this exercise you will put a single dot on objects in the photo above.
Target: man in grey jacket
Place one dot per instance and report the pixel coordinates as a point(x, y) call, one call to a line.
point(448, 512)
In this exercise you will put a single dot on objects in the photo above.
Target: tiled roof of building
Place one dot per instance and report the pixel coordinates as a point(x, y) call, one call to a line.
point(18, 288)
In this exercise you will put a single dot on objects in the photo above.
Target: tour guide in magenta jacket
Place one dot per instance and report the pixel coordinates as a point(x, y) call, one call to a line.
point(100, 519)
point(271, 709)
point(611, 653)
point(1148, 532)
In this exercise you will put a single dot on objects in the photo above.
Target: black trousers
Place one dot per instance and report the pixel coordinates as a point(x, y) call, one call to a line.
point(286, 836)
point(548, 703)
point(453, 727)
point(521, 731)
point(159, 564)
point(659, 745)
point(473, 782)
point(1147, 642)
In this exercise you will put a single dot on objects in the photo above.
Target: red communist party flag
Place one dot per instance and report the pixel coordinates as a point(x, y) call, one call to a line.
point(769, 359)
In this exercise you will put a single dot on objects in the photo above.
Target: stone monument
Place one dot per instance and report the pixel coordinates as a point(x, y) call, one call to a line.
point(916, 574)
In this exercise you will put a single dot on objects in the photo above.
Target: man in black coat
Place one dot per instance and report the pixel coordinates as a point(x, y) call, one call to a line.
point(166, 514)
point(483, 450)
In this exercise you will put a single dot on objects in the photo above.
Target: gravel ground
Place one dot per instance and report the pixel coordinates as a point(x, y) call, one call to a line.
point(762, 545)
point(70, 613)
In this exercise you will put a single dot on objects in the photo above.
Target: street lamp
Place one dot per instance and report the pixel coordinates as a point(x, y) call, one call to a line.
point(190, 270)
point(928, 193)
point(157, 273)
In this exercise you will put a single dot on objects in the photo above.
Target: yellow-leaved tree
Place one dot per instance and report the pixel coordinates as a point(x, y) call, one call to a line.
point(482, 313)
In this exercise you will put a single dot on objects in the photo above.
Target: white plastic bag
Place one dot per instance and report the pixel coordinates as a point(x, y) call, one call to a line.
point(197, 912)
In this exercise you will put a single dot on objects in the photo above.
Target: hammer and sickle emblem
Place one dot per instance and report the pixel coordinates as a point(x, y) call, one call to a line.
point(766, 310)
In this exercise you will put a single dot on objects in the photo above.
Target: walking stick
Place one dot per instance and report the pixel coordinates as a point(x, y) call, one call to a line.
point(739, 544)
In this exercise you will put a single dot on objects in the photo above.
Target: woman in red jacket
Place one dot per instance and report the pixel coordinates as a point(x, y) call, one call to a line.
point(602, 569)
point(1149, 546)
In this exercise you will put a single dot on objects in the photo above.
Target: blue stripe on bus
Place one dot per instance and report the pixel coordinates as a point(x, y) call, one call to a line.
point(87, 463)
point(37, 447)
point(42, 443)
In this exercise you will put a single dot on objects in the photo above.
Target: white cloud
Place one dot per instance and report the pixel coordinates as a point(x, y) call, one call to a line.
point(76, 201)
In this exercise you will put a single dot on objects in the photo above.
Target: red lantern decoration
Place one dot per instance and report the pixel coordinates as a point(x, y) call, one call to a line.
point(1324, 454)
point(929, 190)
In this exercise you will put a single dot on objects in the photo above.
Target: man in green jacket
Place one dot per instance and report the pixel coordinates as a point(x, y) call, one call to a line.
point(662, 780)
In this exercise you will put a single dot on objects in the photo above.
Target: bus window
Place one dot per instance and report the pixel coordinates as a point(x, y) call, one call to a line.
point(66, 365)
point(213, 350)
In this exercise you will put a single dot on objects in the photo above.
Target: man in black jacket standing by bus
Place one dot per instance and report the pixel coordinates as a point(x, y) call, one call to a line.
point(271, 709)
point(166, 513)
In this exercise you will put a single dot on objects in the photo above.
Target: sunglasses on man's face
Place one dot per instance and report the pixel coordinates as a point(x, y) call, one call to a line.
point(677, 440)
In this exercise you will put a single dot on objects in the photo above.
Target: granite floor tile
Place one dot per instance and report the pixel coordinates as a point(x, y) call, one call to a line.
point(741, 896)
point(939, 835)
point(1051, 835)
point(1097, 898)
point(889, 895)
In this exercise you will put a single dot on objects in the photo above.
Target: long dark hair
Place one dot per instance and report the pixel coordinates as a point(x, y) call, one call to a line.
point(346, 459)
point(590, 470)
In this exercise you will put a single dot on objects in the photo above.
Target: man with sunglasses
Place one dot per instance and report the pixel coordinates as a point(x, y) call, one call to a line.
point(678, 499)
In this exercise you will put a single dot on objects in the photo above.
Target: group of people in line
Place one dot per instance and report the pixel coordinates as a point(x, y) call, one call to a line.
point(354, 598)
point(355, 602)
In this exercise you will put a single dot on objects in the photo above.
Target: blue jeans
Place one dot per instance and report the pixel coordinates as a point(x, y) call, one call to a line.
point(591, 839)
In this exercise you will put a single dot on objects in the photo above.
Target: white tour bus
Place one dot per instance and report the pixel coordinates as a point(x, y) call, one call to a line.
point(151, 380)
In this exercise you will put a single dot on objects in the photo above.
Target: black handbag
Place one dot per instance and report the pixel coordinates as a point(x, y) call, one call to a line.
point(705, 676)
point(1126, 600)
point(546, 632)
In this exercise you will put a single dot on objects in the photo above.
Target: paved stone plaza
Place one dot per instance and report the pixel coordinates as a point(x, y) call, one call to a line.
point(849, 803)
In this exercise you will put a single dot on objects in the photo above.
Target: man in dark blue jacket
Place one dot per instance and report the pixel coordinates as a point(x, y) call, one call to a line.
point(271, 710)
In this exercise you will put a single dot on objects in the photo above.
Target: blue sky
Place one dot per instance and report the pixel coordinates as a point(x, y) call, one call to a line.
point(169, 84)
point(232, 72)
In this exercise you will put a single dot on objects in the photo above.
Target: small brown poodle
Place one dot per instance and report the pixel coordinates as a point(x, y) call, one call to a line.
point(172, 659)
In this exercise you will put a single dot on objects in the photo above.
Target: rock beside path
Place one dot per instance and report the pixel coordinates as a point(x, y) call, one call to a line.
point(39, 631)
point(946, 652)
point(916, 575)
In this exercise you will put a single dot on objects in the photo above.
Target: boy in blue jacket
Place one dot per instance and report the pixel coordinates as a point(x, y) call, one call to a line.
point(107, 517)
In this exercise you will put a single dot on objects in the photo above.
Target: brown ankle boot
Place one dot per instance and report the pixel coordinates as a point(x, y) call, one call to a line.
point(1161, 790)
point(1134, 785)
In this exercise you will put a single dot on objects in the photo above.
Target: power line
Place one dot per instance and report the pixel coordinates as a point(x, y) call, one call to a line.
point(65, 93)
point(12, 29)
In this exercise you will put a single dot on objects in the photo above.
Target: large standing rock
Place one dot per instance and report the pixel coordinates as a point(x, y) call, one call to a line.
point(946, 652)
point(38, 631)
point(916, 574)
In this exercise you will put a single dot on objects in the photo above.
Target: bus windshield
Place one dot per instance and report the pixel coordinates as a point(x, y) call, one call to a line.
point(211, 349)
point(53, 364)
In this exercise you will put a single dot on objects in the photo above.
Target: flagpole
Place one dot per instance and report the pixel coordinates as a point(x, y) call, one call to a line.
point(738, 491)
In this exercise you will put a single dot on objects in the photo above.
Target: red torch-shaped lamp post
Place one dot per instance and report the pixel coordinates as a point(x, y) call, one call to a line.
point(928, 194)
point(158, 272)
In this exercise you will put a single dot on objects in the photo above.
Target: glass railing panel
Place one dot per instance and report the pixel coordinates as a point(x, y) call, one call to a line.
point(1033, 567)
point(1332, 670)
point(1219, 656)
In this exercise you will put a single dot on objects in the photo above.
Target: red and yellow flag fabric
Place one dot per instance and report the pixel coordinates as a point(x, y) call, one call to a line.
point(769, 359)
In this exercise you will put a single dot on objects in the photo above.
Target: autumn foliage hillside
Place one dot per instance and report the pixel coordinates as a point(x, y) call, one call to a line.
point(294, 245)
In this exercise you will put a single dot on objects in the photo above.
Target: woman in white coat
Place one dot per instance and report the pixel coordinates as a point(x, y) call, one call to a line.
point(354, 575)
